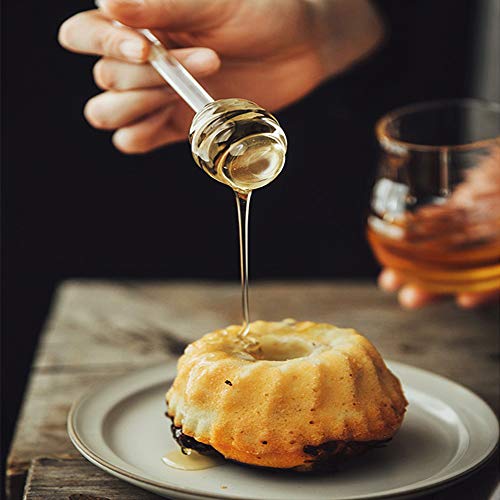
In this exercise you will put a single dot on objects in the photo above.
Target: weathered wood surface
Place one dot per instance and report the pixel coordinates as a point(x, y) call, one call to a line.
point(102, 329)
point(76, 479)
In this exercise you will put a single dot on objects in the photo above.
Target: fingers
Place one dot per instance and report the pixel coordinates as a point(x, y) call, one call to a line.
point(413, 297)
point(118, 75)
point(112, 110)
point(154, 131)
point(409, 296)
point(145, 119)
point(90, 33)
point(174, 15)
point(478, 299)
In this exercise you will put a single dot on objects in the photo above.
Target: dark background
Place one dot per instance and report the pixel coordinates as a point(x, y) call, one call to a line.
point(75, 207)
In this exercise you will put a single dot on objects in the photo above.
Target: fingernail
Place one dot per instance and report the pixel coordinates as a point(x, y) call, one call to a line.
point(130, 3)
point(197, 61)
point(132, 49)
point(127, 3)
point(111, 6)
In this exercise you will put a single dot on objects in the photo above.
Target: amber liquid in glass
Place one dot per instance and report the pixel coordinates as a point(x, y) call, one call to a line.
point(435, 208)
point(449, 245)
point(438, 268)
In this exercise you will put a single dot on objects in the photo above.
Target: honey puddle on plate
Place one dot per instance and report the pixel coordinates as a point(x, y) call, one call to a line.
point(190, 461)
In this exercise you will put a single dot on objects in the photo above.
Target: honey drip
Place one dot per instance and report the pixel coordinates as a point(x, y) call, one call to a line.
point(243, 209)
point(190, 460)
point(247, 343)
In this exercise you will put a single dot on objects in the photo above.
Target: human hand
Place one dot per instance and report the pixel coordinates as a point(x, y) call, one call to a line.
point(412, 297)
point(269, 51)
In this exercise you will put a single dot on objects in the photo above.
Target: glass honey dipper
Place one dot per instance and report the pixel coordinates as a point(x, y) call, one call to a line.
point(235, 141)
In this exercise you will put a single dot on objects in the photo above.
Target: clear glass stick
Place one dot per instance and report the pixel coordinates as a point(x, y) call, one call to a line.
point(172, 71)
point(175, 74)
point(243, 206)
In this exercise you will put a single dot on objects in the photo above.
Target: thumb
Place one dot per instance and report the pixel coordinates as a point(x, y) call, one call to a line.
point(173, 15)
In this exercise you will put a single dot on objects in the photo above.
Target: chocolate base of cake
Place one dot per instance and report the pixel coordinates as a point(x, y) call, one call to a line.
point(324, 457)
point(333, 454)
point(190, 443)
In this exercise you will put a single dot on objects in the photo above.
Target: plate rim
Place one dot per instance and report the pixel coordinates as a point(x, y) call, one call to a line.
point(104, 464)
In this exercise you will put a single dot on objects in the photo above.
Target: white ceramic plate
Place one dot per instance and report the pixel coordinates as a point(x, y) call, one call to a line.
point(448, 432)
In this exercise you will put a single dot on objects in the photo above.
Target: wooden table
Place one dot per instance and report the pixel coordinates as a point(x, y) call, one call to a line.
point(98, 330)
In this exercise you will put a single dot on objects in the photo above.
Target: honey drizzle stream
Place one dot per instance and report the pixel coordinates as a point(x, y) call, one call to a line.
point(243, 207)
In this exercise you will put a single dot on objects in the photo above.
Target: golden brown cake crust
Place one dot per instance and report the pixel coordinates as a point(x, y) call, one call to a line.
point(308, 385)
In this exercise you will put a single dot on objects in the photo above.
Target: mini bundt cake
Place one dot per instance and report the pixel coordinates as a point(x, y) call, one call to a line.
point(304, 396)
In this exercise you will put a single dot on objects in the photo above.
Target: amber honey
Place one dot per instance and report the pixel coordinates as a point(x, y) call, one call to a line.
point(238, 143)
point(438, 268)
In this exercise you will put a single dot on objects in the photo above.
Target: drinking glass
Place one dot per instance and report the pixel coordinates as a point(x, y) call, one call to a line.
point(435, 208)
